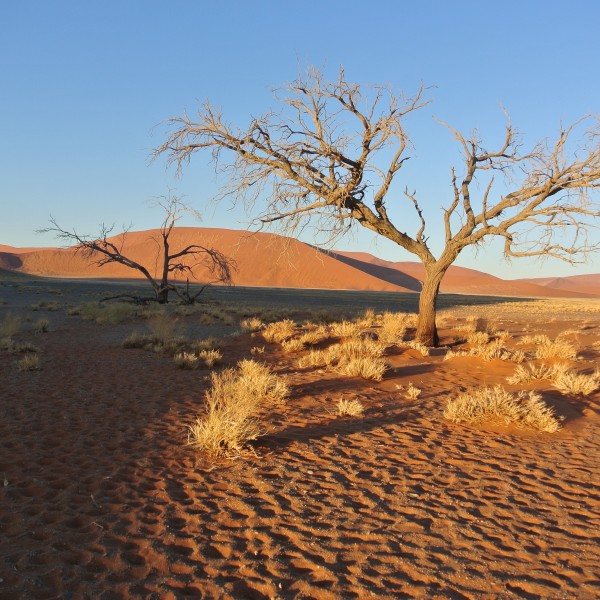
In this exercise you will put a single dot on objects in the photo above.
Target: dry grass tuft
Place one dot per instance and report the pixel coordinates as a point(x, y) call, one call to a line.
point(41, 326)
point(105, 314)
point(578, 384)
point(279, 331)
point(292, 345)
point(251, 325)
point(525, 409)
point(530, 372)
point(393, 327)
point(210, 357)
point(186, 360)
point(546, 348)
point(9, 325)
point(367, 367)
point(349, 408)
point(30, 362)
point(234, 403)
point(346, 329)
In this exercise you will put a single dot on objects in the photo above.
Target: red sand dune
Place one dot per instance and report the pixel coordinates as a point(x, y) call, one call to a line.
point(269, 260)
point(589, 284)
point(460, 280)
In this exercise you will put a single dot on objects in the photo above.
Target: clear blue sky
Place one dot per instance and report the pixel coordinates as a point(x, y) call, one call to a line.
point(83, 84)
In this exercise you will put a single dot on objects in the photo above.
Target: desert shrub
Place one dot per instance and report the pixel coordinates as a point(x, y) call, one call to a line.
point(361, 347)
point(478, 338)
point(367, 367)
point(9, 325)
point(186, 360)
point(350, 408)
point(320, 358)
point(48, 305)
point(346, 329)
point(104, 314)
point(257, 350)
point(531, 372)
point(493, 350)
point(525, 409)
point(315, 336)
point(210, 357)
point(165, 329)
point(30, 362)
point(22, 347)
point(137, 339)
point(546, 348)
point(279, 331)
point(6, 343)
point(210, 343)
point(412, 392)
point(579, 384)
point(292, 345)
point(393, 327)
point(41, 326)
point(367, 319)
point(233, 405)
point(252, 324)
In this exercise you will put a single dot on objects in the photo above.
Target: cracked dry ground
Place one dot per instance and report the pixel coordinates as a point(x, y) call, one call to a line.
point(103, 499)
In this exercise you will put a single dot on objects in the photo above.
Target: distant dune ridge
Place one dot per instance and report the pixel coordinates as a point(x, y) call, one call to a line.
point(270, 260)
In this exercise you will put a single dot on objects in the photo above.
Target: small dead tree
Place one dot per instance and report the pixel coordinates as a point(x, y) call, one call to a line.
point(331, 155)
point(106, 248)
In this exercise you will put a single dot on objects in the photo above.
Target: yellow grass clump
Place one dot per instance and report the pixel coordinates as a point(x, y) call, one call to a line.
point(525, 409)
point(252, 324)
point(393, 327)
point(578, 384)
point(349, 408)
point(30, 362)
point(279, 331)
point(233, 406)
point(546, 348)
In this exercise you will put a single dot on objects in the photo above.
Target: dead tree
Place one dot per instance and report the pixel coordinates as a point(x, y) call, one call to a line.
point(332, 153)
point(106, 248)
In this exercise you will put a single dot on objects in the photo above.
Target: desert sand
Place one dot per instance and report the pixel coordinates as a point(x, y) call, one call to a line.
point(101, 496)
point(270, 260)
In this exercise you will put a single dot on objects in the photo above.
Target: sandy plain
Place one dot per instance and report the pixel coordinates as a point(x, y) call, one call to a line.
point(102, 498)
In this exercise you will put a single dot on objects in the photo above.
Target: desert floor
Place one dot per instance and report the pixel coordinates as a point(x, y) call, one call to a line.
point(101, 497)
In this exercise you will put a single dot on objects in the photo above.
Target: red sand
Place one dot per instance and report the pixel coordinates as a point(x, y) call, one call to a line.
point(268, 260)
point(103, 499)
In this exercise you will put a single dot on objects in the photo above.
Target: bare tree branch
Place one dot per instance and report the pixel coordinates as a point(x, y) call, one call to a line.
point(332, 154)
point(106, 249)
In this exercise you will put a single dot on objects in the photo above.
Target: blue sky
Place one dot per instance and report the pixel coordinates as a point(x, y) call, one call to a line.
point(83, 85)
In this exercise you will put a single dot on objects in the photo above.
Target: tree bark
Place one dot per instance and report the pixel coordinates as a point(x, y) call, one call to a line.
point(426, 327)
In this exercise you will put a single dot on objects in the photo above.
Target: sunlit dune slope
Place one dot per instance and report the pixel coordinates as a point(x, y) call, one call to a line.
point(262, 259)
point(269, 260)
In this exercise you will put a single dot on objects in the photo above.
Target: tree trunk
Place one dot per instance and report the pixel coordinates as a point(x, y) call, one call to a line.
point(162, 295)
point(426, 328)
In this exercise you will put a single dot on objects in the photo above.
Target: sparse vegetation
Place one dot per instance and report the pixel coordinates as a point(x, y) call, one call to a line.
point(41, 326)
point(578, 384)
point(234, 403)
point(279, 331)
point(545, 348)
point(29, 362)
point(252, 324)
point(525, 409)
point(9, 325)
point(349, 408)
